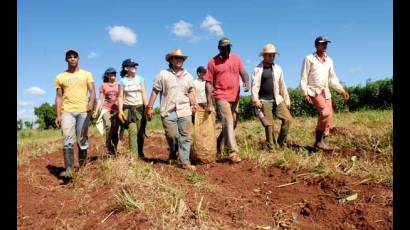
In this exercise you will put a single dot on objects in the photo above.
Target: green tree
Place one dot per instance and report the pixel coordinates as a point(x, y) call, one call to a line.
point(19, 124)
point(46, 115)
point(28, 124)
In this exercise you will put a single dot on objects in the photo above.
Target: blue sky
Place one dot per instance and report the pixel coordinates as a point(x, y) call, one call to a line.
point(107, 32)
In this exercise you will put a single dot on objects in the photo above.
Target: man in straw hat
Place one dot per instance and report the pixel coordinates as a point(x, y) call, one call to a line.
point(270, 96)
point(175, 85)
point(316, 76)
point(222, 78)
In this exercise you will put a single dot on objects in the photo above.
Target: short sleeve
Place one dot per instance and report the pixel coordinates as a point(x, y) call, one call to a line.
point(158, 84)
point(90, 78)
point(57, 83)
point(240, 64)
point(209, 72)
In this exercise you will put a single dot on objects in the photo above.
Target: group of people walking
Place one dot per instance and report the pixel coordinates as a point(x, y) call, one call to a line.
point(124, 105)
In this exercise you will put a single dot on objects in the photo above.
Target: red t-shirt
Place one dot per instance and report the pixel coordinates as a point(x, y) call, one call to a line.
point(110, 91)
point(224, 75)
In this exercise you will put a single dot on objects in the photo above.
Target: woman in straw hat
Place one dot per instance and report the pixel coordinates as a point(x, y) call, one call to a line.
point(270, 96)
point(175, 86)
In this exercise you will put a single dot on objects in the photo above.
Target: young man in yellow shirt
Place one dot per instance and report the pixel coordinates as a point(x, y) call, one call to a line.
point(73, 108)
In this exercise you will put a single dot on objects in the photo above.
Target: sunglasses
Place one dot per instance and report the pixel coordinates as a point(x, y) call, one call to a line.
point(270, 55)
point(177, 58)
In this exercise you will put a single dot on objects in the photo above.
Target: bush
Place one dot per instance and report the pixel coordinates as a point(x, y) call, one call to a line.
point(375, 95)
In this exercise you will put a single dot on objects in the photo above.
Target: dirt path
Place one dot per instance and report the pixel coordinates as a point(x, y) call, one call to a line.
point(239, 195)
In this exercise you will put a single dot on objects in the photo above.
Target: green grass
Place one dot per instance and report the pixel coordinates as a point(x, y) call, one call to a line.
point(367, 134)
point(195, 178)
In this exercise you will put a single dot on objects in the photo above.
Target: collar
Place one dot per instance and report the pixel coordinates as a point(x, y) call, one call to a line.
point(317, 56)
point(261, 65)
point(220, 57)
point(173, 72)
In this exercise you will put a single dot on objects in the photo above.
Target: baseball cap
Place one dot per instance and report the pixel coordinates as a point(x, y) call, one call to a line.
point(68, 52)
point(110, 70)
point(224, 42)
point(129, 62)
point(321, 38)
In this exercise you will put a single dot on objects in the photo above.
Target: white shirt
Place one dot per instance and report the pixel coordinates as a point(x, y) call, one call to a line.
point(317, 76)
point(174, 92)
point(200, 91)
point(280, 91)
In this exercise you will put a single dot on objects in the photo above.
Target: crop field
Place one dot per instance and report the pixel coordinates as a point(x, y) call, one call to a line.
point(291, 188)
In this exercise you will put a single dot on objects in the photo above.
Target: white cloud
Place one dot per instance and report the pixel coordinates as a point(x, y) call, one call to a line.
point(92, 55)
point(354, 70)
point(182, 29)
point(25, 103)
point(26, 114)
point(122, 34)
point(35, 91)
point(212, 25)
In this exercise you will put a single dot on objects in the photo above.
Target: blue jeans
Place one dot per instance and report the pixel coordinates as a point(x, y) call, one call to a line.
point(75, 124)
point(178, 132)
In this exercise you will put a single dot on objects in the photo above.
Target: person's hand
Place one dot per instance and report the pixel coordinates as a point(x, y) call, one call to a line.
point(149, 112)
point(95, 114)
point(258, 104)
point(58, 121)
point(210, 108)
point(345, 96)
point(89, 106)
point(308, 99)
point(246, 86)
point(194, 108)
point(122, 117)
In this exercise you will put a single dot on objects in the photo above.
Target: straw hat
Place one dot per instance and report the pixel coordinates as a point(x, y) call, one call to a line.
point(175, 53)
point(268, 49)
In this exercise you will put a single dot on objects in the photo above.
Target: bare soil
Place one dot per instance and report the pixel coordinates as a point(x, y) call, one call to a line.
point(240, 195)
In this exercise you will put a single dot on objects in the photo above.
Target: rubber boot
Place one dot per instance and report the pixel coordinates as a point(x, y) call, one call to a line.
point(82, 157)
point(320, 144)
point(68, 162)
point(326, 141)
point(269, 137)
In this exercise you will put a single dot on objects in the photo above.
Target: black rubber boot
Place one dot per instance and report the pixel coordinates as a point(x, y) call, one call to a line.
point(82, 157)
point(320, 143)
point(68, 162)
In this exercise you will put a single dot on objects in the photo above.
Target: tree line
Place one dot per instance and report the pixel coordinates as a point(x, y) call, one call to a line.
point(374, 95)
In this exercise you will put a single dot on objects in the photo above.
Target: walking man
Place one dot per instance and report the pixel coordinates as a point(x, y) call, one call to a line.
point(73, 107)
point(176, 87)
point(222, 82)
point(270, 96)
point(317, 75)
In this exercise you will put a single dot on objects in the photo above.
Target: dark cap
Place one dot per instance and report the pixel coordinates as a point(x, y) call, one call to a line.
point(110, 70)
point(71, 51)
point(224, 42)
point(201, 69)
point(129, 62)
point(320, 39)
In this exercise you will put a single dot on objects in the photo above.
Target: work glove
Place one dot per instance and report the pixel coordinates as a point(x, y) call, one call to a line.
point(122, 117)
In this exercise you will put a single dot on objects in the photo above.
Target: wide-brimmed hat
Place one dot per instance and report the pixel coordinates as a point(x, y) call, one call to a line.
point(268, 49)
point(175, 53)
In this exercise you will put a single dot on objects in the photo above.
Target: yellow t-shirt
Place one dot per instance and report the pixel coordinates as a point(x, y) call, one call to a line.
point(74, 86)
